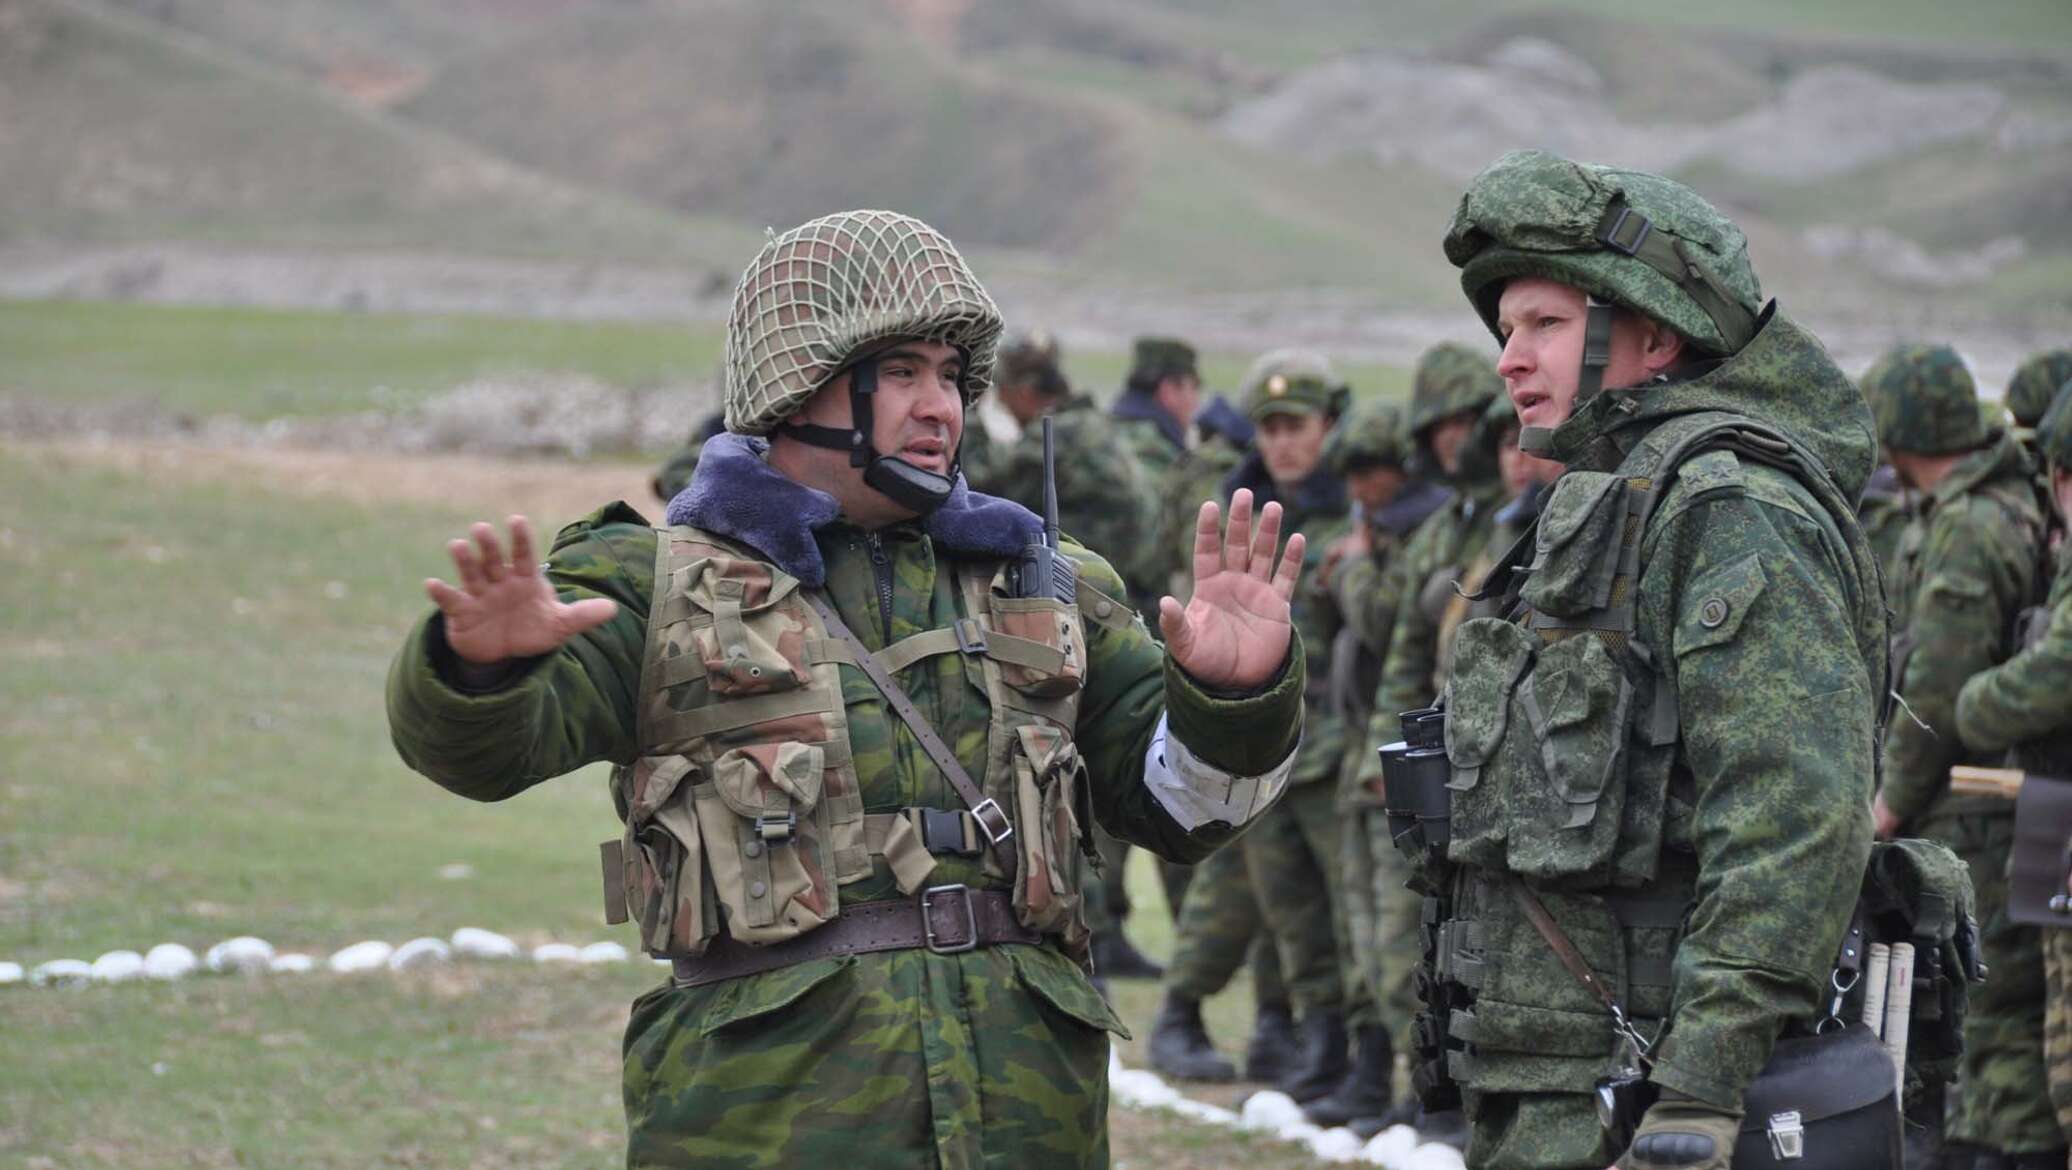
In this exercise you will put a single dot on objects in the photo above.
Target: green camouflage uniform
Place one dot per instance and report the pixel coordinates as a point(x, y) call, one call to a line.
point(1703, 838)
point(1159, 443)
point(1967, 565)
point(2024, 706)
point(995, 1056)
point(1372, 875)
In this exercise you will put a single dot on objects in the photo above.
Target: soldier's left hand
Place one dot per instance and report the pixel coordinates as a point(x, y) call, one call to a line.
point(1884, 821)
point(1679, 1133)
point(1235, 631)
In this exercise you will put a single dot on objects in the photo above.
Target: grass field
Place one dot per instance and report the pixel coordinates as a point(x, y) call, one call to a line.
point(192, 746)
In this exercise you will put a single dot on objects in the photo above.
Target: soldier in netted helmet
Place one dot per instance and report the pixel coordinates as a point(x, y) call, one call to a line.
point(860, 716)
point(1659, 759)
point(2024, 707)
point(1971, 559)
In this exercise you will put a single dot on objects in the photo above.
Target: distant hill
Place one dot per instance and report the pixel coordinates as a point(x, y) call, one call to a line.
point(1871, 147)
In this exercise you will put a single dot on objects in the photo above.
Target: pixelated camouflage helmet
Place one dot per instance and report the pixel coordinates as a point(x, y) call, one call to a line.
point(2036, 383)
point(1373, 436)
point(1293, 381)
point(1925, 400)
point(2054, 429)
point(1452, 378)
point(1629, 238)
point(820, 295)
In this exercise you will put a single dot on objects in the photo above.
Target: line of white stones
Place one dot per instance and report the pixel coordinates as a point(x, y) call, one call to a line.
point(251, 956)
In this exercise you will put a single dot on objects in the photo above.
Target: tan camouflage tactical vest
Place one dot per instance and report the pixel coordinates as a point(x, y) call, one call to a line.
point(743, 809)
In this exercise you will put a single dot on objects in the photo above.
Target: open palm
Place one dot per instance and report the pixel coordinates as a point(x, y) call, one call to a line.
point(505, 609)
point(1234, 632)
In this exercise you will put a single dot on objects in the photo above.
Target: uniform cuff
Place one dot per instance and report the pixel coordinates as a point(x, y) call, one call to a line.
point(1247, 733)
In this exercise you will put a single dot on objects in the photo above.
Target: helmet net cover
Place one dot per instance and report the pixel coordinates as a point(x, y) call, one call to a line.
point(818, 294)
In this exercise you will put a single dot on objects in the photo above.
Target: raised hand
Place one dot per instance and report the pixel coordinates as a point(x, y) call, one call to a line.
point(1234, 633)
point(506, 609)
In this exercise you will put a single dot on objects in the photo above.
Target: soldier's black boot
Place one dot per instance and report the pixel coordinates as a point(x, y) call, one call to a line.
point(2048, 1160)
point(1115, 958)
point(1180, 1045)
point(1364, 1092)
point(1271, 1053)
point(1322, 1061)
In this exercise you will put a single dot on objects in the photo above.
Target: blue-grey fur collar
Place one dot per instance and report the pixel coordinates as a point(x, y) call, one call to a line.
point(1137, 406)
point(738, 495)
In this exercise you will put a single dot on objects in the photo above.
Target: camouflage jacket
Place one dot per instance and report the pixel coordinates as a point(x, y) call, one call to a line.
point(2025, 703)
point(1967, 563)
point(1106, 500)
point(1723, 829)
point(892, 1032)
point(1319, 511)
point(1367, 593)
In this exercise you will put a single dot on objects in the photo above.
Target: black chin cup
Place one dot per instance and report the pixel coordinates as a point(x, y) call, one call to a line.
point(913, 488)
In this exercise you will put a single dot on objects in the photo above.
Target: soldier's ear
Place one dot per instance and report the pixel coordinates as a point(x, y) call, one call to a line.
point(1660, 346)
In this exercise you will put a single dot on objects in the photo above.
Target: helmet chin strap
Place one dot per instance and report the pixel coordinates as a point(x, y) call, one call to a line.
point(1597, 354)
point(914, 488)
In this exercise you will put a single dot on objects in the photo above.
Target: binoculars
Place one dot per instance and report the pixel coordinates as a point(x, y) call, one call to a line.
point(1414, 773)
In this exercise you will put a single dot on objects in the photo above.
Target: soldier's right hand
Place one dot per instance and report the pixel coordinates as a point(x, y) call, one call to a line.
point(505, 609)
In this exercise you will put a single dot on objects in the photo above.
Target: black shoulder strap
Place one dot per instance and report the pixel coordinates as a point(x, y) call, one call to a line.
point(992, 820)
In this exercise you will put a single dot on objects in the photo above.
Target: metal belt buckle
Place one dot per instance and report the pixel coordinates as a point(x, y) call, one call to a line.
point(989, 814)
point(935, 944)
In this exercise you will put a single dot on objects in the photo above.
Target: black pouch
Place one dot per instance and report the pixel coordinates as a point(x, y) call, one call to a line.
point(2042, 858)
point(1824, 1102)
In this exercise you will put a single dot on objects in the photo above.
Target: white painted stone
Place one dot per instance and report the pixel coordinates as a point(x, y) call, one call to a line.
point(169, 961)
point(556, 953)
point(1141, 1090)
point(1391, 1147)
point(292, 964)
point(1336, 1145)
point(456, 871)
point(10, 973)
point(1269, 1111)
point(477, 943)
point(1204, 1112)
point(362, 956)
point(62, 973)
point(1434, 1156)
point(118, 967)
point(243, 955)
point(602, 952)
point(419, 952)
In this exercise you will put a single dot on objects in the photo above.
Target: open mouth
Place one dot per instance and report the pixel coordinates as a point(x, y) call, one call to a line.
point(929, 453)
point(1526, 400)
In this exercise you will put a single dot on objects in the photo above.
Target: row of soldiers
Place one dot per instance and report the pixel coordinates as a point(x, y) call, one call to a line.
point(1406, 511)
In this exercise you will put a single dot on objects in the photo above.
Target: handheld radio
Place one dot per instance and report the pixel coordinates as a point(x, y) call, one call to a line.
point(1043, 571)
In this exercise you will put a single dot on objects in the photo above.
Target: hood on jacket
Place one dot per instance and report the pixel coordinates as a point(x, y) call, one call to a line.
point(1783, 377)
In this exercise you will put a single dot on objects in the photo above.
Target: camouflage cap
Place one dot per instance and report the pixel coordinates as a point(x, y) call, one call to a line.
point(1925, 401)
point(820, 294)
point(1032, 357)
point(2036, 383)
point(1374, 436)
point(1293, 381)
point(1152, 358)
point(1451, 378)
point(2054, 429)
point(1631, 238)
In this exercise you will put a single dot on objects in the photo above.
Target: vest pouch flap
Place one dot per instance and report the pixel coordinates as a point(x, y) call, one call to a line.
point(1568, 802)
point(770, 779)
point(753, 644)
point(666, 891)
point(1038, 645)
point(1580, 533)
point(1046, 882)
point(1490, 655)
point(1820, 1077)
point(651, 781)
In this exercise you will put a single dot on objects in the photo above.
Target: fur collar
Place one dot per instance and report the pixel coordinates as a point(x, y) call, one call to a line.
point(736, 494)
point(1133, 406)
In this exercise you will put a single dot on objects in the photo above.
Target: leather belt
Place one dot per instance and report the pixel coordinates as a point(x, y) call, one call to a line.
point(945, 919)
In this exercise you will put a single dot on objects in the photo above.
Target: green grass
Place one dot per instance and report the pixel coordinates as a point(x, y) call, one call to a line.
point(263, 363)
point(268, 363)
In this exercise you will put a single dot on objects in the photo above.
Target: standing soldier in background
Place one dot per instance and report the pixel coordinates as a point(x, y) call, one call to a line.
point(858, 714)
point(1372, 453)
point(2032, 389)
point(1659, 763)
point(1159, 399)
point(1106, 503)
point(1295, 398)
point(1971, 560)
point(2024, 706)
point(1885, 509)
point(676, 471)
